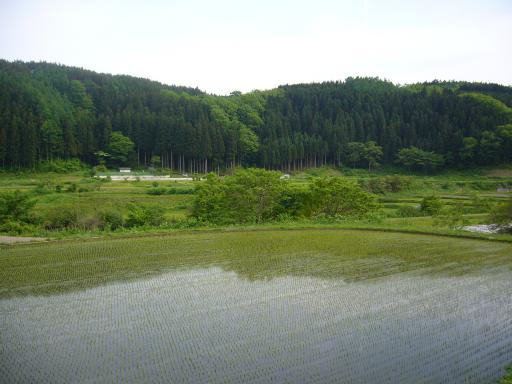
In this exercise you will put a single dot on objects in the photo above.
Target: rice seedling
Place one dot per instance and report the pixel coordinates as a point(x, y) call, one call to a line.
point(284, 306)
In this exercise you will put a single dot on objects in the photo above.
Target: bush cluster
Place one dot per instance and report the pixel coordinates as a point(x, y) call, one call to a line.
point(16, 212)
point(110, 219)
point(156, 190)
point(61, 166)
point(381, 185)
point(257, 196)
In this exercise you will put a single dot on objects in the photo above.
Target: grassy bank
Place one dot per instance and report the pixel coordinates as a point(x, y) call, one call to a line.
point(472, 194)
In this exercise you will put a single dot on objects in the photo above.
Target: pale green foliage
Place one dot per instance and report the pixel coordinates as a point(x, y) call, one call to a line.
point(249, 141)
point(209, 198)
point(141, 215)
point(336, 196)
point(119, 148)
point(355, 152)
point(452, 217)
point(372, 153)
point(469, 149)
point(503, 215)
point(415, 158)
point(431, 205)
point(256, 196)
point(16, 206)
point(250, 195)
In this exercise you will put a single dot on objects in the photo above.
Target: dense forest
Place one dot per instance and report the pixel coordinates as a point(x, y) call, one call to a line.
point(50, 111)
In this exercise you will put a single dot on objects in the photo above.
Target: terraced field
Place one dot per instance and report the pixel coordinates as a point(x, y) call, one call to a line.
point(263, 306)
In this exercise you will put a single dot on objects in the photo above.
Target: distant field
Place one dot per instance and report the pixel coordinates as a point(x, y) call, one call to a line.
point(260, 306)
point(473, 191)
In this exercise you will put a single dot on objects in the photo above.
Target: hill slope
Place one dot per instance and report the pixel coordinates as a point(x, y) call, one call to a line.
point(50, 111)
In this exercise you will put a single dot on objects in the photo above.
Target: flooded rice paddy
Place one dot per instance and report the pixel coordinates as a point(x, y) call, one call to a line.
point(287, 306)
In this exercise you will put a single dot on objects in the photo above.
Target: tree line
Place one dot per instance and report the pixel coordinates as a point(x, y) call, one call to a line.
point(50, 112)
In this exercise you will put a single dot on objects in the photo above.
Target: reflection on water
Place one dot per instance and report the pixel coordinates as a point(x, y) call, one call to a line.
point(208, 325)
point(329, 306)
point(328, 254)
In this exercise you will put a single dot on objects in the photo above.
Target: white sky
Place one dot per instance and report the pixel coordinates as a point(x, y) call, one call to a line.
point(225, 45)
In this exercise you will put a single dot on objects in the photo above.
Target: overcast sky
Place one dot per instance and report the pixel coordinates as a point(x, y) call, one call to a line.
point(225, 45)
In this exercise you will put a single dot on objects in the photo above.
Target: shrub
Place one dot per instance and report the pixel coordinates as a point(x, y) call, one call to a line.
point(111, 219)
point(180, 191)
point(140, 215)
point(61, 166)
point(100, 168)
point(397, 183)
point(156, 191)
point(431, 205)
point(16, 206)
point(14, 227)
point(381, 185)
point(72, 187)
point(62, 218)
point(45, 186)
point(502, 215)
point(408, 211)
point(453, 217)
point(256, 196)
point(483, 185)
point(479, 204)
point(508, 376)
point(376, 185)
point(89, 222)
point(335, 196)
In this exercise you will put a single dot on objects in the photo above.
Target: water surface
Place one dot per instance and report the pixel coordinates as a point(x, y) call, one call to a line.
point(308, 315)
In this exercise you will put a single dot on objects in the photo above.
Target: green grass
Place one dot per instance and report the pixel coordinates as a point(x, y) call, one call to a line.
point(453, 187)
point(268, 305)
point(508, 377)
point(61, 266)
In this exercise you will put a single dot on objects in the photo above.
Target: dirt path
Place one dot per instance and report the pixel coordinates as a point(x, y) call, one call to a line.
point(15, 239)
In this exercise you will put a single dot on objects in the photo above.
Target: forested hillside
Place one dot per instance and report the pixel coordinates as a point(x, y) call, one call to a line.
point(49, 111)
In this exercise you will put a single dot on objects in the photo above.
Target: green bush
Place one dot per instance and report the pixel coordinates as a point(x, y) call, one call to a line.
point(408, 211)
point(61, 218)
point(45, 186)
point(431, 205)
point(374, 185)
point(100, 169)
point(397, 183)
point(248, 196)
point(12, 227)
point(16, 206)
point(111, 219)
point(144, 215)
point(381, 185)
point(256, 196)
point(508, 376)
point(72, 187)
point(483, 185)
point(502, 215)
point(180, 191)
point(452, 217)
point(61, 166)
point(337, 196)
point(89, 222)
point(157, 191)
